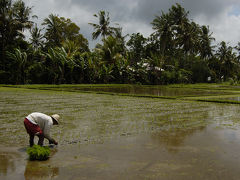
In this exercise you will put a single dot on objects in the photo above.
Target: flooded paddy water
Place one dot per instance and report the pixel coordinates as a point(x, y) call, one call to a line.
point(105, 136)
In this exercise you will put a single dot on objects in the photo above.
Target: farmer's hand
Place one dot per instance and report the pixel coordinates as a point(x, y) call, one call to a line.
point(51, 142)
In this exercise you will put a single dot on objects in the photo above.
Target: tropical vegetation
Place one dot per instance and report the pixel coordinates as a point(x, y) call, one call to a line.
point(37, 152)
point(178, 51)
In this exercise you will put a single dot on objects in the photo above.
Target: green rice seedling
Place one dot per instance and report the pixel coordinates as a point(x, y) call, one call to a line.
point(39, 153)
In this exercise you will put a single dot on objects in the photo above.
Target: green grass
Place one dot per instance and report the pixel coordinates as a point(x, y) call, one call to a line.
point(219, 101)
point(197, 92)
point(181, 90)
point(89, 117)
point(39, 153)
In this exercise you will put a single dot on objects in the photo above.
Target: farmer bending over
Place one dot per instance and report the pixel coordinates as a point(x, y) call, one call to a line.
point(39, 124)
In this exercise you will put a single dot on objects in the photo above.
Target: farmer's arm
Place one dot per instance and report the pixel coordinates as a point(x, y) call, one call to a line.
point(46, 134)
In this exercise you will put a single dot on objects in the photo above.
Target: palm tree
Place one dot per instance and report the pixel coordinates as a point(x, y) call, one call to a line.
point(175, 32)
point(22, 16)
point(61, 58)
point(109, 50)
point(188, 40)
point(178, 17)
point(20, 61)
point(112, 58)
point(53, 30)
point(70, 47)
point(227, 60)
point(58, 57)
point(185, 32)
point(118, 34)
point(136, 45)
point(5, 35)
point(14, 19)
point(205, 42)
point(237, 48)
point(163, 29)
point(103, 28)
point(36, 38)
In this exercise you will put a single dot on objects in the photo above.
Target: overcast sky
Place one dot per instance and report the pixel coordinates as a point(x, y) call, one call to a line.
point(222, 16)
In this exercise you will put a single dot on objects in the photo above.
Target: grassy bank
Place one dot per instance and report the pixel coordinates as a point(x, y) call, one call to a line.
point(91, 117)
point(218, 93)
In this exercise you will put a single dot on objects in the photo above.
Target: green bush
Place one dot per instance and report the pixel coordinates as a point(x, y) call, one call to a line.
point(168, 77)
point(37, 152)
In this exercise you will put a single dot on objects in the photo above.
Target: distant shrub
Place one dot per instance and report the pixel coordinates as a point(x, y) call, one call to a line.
point(37, 152)
point(233, 81)
point(184, 76)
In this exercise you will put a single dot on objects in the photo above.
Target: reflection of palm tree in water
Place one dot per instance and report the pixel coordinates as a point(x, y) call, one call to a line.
point(7, 163)
point(41, 169)
point(37, 170)
point(173, 128)
point(172, 139)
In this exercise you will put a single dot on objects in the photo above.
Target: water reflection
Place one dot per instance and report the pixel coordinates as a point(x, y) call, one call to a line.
point(41, 169)
point(172, 139)
point(172, 129)
point(7, 164)
point(143, 90)
point(232, 98)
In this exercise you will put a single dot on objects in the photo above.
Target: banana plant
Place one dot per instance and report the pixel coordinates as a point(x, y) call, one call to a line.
point(19, 65)
point(60, 59)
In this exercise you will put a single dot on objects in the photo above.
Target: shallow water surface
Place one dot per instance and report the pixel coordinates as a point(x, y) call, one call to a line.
point(236, 98)
point(106, 137)
point(139, 90)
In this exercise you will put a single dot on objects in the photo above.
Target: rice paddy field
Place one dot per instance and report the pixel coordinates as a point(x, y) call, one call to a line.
point(124, 131)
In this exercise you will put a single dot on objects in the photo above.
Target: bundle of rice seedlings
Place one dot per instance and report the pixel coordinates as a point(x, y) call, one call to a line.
point(37, 152)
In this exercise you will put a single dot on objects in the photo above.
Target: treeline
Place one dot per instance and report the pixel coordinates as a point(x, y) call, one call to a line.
point(178, 51)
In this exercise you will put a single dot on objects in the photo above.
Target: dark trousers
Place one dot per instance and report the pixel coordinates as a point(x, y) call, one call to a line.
point(32, 130)
point(40, 140)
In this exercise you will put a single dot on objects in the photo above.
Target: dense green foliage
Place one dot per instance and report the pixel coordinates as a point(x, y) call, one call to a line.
point(178, 51)
point(37, 152)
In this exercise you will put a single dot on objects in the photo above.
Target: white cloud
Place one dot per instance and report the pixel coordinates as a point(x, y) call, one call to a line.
point(228, 29)
point(130, 27)
point(223, 17)
point(225, 26)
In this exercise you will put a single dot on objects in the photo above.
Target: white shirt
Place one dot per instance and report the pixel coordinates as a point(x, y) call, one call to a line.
point(44, 121)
